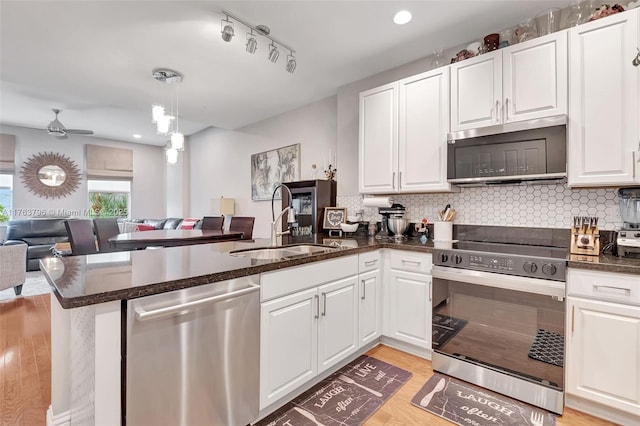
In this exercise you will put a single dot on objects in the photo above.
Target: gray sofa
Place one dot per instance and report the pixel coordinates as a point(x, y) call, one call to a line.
point(40, 235)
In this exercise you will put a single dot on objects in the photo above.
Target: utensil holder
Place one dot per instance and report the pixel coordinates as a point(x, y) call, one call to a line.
point(442, 231)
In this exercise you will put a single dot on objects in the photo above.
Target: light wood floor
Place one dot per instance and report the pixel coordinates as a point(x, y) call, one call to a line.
point(25, 373)
point(25, 360)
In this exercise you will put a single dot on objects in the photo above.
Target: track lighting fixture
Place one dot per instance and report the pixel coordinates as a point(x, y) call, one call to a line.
point(291, 63)
point(253, 33)
point(227, 29)
point(273, 53)
point(252, 44)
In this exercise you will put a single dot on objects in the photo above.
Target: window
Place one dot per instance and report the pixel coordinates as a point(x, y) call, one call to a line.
point(109, 198)
point(6, 197)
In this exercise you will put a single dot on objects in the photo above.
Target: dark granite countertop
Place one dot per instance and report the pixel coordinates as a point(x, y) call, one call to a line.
point(86, 280)
point(606, 263)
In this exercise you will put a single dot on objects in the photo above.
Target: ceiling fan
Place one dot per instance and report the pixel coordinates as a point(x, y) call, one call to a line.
point(57, 129)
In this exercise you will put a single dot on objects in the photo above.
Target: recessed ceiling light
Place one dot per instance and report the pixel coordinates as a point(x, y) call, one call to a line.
point(137, 136)
point(402, 17)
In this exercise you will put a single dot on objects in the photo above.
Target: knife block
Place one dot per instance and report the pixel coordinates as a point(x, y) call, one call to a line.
point(585, 241)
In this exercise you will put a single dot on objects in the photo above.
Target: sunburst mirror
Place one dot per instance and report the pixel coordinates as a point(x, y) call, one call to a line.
point(50, 175)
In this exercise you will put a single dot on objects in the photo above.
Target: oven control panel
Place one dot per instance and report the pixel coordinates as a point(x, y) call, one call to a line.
point(550, 269)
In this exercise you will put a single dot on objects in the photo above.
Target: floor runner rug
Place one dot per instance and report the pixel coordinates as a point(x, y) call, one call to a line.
point(346, 398)
point(444, 328)
point(468, 405)
point(548, 347)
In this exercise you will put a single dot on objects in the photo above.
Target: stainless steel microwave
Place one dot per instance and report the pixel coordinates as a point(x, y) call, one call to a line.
point(531, 151)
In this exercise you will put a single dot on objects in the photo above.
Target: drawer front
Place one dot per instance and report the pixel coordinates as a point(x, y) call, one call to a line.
point(369, 261)
point(291, 280)
point(410, 262)
point(607, 286)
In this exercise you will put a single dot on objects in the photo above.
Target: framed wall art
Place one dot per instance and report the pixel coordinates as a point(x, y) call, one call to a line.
point(270, 168)
point(333, 217)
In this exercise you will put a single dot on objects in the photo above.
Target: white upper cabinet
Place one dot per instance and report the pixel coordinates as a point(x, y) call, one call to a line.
point(379, 139)
point(476, 91)
point(534, 78)
point(423, 127)
point(403, 135)
point(521, 82)
point(603, 125)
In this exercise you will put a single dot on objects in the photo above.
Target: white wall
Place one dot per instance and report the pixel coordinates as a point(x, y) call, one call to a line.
point(147, 187)
point(220, 159)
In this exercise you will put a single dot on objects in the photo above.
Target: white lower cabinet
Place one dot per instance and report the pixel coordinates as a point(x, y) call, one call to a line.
point(338, 322)
point(603, 344)
point(410, 308)
point(304, 333)
point(370, 307)
point(407, 298)
point(603, 339)
point(288, 344)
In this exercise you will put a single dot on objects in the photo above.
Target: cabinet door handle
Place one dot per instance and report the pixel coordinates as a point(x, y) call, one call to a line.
point(324, 304)
point(393, 180)
point(410, 262)
point(612, 290)
point(429, 291)
point(497, 111)
point(370, 262)
point(399, 179)
point(364, 290)
point(317, 315)
point(506, 108)
point(633, 155)
point(573, 311)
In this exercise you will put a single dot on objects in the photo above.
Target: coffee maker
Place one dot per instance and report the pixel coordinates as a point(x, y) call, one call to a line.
point(628, 241)
point(396, 210)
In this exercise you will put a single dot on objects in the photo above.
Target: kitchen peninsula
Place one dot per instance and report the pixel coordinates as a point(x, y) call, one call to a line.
point(88, 318)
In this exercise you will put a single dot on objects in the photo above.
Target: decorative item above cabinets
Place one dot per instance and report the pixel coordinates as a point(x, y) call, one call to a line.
point(603, 133)
point(521, 82)
point(403, 135)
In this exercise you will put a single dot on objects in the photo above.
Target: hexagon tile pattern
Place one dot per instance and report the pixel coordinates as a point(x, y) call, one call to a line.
point(540, 206)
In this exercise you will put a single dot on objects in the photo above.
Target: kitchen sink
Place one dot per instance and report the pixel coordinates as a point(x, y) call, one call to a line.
point(284, 252)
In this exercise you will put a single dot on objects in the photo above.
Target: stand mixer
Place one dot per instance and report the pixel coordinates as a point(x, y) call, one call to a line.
point(393, 212)
point(629, 236)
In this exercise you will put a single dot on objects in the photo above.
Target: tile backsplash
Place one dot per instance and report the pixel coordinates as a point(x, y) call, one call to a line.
point(544, 206)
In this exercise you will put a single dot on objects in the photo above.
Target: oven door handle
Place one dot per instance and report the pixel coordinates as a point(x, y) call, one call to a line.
point(509, 282)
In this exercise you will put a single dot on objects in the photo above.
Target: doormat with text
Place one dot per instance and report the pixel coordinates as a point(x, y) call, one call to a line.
point(465, 404)
point(347, 398)
point(444, 328)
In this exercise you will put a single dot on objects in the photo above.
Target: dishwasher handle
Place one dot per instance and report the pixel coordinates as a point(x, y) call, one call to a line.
point(183, 308)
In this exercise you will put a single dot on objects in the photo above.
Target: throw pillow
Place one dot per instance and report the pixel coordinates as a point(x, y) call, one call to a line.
point(188, 223)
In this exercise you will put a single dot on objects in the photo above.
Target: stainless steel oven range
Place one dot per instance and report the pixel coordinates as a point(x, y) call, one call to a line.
point(498, 318)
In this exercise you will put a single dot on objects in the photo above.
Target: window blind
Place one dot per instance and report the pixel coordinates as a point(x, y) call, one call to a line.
point(104, 162)
point(7, 153)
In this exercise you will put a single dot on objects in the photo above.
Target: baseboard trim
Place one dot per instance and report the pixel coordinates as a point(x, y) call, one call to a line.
point(406, 347)
point(599, 410)
point(61, 419)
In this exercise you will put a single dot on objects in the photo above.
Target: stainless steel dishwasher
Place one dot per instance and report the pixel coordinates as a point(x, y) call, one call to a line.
point(192, 356)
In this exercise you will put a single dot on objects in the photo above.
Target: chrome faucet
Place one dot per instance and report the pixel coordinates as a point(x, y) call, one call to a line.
point(290, 219)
